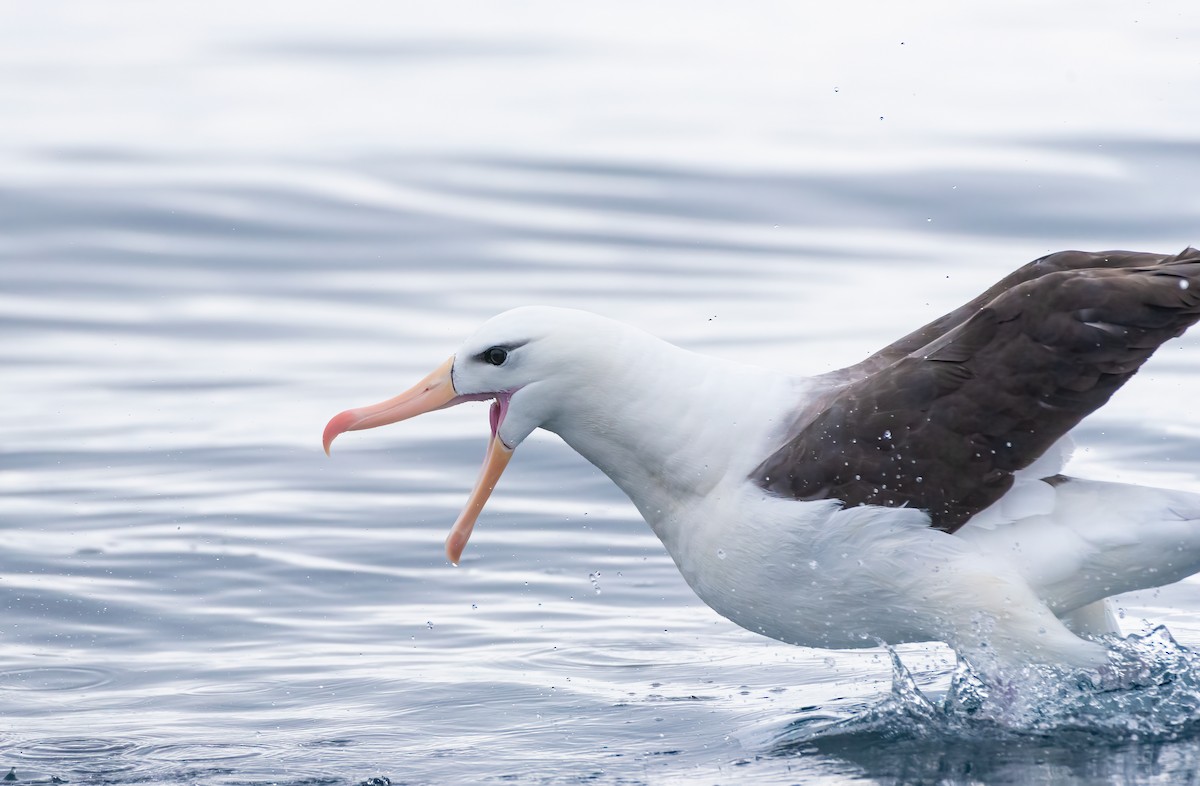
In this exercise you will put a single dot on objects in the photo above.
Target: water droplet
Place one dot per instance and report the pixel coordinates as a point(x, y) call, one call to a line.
point(720, 553)
point(1183, 283)
point(429, 625)
point(812, 563)
point(595, 579)
point(887, 434)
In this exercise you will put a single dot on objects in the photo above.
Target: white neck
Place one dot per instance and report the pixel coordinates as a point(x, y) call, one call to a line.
point(672, 427)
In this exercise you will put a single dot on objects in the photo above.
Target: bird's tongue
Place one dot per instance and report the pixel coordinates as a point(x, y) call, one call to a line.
point(497, 412)
point(494, 415)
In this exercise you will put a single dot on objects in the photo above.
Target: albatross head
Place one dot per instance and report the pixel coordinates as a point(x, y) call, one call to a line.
point(526, 361)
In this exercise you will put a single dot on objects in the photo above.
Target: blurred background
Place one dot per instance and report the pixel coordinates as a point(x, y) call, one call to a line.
point(222, 223)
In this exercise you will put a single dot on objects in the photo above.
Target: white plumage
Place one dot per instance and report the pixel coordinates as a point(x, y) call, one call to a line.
point(681, 435)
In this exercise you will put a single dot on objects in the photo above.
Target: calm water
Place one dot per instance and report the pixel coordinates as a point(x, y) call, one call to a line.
point(219, 226)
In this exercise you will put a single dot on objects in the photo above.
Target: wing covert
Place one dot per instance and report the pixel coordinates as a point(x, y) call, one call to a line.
point(944, 425)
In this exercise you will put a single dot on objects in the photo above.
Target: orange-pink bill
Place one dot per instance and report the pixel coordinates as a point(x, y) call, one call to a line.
point(494, 462)
point(434, 392)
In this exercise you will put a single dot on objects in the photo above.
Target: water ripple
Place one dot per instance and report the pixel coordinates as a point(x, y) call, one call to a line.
point(54, 678)
point(200, 262)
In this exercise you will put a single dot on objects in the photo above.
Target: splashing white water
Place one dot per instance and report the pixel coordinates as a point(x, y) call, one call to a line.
point(1151, 692)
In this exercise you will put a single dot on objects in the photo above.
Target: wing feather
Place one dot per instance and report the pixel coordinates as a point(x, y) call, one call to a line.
point(943, 418)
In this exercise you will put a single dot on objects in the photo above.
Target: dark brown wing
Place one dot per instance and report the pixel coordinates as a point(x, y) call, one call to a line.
point(944, 426)
point(1051, 263)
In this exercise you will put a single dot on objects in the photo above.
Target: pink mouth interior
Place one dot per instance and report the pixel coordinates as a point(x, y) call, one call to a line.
point(498, 410)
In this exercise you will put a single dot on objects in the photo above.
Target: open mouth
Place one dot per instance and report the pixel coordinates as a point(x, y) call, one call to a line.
point(497, 412)
point(435, 392)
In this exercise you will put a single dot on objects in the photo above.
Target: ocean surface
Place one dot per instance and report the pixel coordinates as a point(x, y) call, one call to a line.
point(221, 224)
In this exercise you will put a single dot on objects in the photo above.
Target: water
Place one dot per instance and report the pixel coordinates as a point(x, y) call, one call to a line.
point(220, 225)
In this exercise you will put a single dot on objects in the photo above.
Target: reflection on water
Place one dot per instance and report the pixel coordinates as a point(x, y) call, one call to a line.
point(192, 280)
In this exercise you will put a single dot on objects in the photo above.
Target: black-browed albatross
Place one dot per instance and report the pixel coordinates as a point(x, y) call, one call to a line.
point(915, 496)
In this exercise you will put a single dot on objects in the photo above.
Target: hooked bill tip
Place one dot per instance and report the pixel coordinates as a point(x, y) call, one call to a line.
point(338, 424)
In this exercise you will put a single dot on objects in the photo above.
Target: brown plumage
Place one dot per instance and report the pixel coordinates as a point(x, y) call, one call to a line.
point(941, 419)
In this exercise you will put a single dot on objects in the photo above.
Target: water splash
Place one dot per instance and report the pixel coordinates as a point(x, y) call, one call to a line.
point(1151, 692)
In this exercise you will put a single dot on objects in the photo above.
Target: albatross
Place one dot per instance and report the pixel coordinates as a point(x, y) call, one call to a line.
point(915, 496)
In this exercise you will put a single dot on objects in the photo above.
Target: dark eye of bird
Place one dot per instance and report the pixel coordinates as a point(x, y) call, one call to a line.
point(496, 356)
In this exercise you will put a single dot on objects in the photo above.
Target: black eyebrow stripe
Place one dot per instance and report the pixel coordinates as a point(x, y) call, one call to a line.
point(505, 347)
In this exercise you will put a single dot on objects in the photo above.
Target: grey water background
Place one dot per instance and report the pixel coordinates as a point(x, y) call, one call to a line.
point(222, 224)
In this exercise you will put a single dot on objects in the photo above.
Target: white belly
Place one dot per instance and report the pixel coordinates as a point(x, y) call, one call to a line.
point(814, 575)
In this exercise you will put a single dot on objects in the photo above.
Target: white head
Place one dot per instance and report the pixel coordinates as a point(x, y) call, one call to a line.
point(528, 362)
